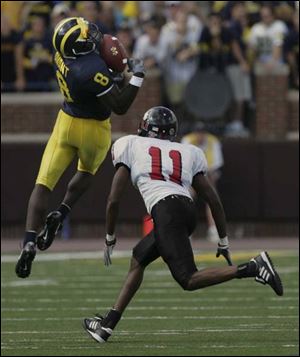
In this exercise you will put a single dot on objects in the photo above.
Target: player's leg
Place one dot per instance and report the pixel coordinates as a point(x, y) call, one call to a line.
point(56, 158)
point(173, 224)
point(37, 207)
point(79, 183)
point(261, 268)
point(144, 253)
point(92, 138)
point(174, 220)
point(76, 187)
point(101, 328)
point(96, 140)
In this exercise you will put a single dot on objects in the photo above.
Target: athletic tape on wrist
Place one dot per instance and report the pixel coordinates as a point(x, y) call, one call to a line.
point(110, 237)
point(136, 81)
point(224, 241)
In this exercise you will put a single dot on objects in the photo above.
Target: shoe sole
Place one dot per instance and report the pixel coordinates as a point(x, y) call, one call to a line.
point(92, 334)
point(268, 261)
point(26, 258)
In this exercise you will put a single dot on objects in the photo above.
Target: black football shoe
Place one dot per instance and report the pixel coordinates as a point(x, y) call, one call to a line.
point(96, 330)
point(52, 226)
point(267, 273)
point(23, 266)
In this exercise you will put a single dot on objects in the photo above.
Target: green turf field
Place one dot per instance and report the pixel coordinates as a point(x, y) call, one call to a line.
point(41, 316)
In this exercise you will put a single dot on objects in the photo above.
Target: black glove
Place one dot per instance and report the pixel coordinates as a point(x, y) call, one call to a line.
point(224, 250)
point(136, 66)
point(110, 242)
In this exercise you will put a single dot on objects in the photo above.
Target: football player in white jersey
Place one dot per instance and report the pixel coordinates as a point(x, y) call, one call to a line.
point(164, 171)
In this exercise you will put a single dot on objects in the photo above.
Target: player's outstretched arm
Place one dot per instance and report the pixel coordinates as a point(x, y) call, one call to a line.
point(118, 186)
point(112, 209)
point(205, 190)
point(120, 100)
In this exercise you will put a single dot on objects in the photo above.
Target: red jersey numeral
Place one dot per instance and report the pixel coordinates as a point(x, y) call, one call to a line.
point(155, 154)
point(156, 165)
point(177, 166)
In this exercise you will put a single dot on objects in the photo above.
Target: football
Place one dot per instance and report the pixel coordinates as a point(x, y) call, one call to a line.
point(113, 53)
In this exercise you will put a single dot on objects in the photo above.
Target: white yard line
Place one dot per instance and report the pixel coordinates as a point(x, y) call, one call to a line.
point(130, 332)
point(49, 257)
point(163, 317)
point(152, 346)
point(9, 258)
point(136, 333)
point(30, 282)
point(113, 284)
point(79, 289)
point(151, 308)
point(142, 300)
point(35, 332)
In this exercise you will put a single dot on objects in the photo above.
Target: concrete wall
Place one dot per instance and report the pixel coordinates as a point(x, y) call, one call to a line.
point(260, 181)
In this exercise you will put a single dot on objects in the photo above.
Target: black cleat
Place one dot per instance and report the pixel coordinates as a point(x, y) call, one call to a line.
point(23, 266)
point(52, 226)
point(267, 273)
point(94, 328)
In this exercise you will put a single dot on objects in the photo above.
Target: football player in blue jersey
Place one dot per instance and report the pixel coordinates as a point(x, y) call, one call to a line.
point(82, 128)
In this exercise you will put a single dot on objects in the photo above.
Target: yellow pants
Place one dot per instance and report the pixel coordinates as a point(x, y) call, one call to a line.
point(88, 139)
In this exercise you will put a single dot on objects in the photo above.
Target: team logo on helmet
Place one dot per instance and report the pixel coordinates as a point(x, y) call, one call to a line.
point(75, 36)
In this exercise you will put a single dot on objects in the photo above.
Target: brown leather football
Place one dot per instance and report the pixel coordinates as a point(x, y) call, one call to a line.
point(113, 53)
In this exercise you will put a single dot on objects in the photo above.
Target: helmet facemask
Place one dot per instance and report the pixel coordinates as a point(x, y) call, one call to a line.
point(89, 44)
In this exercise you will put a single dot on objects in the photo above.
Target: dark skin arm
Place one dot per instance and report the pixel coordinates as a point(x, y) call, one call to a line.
point(119, 101)
point(204, 190)
point(118, 186)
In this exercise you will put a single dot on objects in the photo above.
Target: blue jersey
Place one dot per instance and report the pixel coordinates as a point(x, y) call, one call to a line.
point(81, 81)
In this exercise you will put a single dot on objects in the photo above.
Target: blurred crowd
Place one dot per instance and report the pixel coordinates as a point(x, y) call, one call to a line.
point(177, 38)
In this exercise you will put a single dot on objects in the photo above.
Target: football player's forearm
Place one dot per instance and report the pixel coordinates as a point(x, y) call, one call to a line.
point(127, 95)
point(212, 199)
point(206, 191)
point(112, 213)
point(125, 99)
point(117, 189)
point(219, 217)
point(118, 100)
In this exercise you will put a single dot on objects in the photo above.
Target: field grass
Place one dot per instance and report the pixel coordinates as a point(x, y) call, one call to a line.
point(41, 316)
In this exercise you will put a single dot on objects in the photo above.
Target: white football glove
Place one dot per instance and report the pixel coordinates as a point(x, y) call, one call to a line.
point(223, 249)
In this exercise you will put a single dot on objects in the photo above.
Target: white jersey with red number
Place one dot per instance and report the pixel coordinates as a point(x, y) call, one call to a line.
point(159, 168)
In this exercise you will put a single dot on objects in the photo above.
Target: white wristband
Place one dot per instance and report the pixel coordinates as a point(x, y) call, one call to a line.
point(224, 241)
point(136, 81)
point(110, 238)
